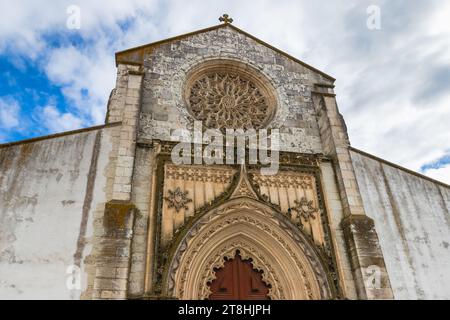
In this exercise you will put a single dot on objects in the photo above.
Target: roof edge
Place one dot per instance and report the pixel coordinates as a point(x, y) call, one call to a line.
point(415, 173)
point(160, 42)
point(59, 134)
point(136, 55)
point(174, 38)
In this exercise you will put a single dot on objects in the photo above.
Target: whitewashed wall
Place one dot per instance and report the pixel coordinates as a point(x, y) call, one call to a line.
point(44, 191)
point(412, 218)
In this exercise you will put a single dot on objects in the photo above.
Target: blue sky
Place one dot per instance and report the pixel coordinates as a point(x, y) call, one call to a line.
point(27, 87)
point(393, 84)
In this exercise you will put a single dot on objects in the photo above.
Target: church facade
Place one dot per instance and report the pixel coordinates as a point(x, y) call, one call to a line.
point(149, 206)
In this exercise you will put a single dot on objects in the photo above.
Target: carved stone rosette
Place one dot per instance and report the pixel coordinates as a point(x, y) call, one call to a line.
point(178, 199)
point(224, 95)
point(225, 100)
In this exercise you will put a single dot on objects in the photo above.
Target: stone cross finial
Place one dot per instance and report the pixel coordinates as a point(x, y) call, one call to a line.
point(225, 18)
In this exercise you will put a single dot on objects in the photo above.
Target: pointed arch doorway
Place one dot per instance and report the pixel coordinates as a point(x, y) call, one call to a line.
point(238, 280)
point(291, 267)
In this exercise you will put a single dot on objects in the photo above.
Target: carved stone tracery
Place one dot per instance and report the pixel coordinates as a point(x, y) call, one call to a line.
point(288, 263)
point(203, 174)
point(227, 94)
point(285, 180)
point(227, 100)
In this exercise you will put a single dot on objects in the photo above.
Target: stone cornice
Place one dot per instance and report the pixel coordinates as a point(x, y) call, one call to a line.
point(60, 134)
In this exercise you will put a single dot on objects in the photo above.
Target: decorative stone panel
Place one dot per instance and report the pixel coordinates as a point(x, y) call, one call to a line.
point(187, 189)
point(295, 194)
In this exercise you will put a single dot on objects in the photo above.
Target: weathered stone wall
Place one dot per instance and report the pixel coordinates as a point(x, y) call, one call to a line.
point(142, 186)
point(49, 190)
point(119, 223)
point(335, 216)
point(412, 219)
point(361, 241)
point(163, 106)
point(306, 115)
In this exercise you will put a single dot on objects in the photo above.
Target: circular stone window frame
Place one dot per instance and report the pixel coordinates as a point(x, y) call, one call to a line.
point(247, 72)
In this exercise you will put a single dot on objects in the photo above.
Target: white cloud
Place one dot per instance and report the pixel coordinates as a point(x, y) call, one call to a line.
point(87, 79)
point(56, 121)
point(9, 113)
point(441, 174)
point(390, 82)
point(29, 21)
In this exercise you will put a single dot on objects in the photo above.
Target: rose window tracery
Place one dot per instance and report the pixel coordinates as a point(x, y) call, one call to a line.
point(229, 100)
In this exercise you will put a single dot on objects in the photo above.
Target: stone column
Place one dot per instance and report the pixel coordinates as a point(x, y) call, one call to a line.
point(113, 251)
point(361, 239)
point(366, 258)
point(127, 143)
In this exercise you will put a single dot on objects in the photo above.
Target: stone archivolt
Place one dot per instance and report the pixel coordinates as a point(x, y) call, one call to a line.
point(289, 263)
point(247, 252)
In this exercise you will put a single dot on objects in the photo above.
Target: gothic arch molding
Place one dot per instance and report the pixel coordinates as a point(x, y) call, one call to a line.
point(290, 264)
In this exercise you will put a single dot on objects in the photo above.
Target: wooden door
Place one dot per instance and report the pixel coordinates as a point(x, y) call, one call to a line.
point(237, 280)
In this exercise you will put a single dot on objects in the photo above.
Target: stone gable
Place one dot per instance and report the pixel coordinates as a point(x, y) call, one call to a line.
point(167, 65)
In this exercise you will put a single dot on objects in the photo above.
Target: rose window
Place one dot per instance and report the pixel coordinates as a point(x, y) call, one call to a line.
point(229, 100)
